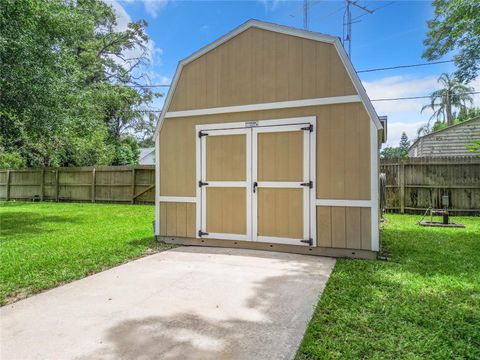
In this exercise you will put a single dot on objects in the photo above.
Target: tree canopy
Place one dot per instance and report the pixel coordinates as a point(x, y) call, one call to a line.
point(400, 152)
point(69, 94)
point(454, 95)
point(456, 26)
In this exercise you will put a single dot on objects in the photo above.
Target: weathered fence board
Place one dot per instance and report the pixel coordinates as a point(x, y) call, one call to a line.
point(95, 184)
point(415, 184)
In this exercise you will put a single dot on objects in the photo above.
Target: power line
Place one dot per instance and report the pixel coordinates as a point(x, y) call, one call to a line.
point(359, 71)
point(415, 97)
point(332, 13)
point(381, 99)
point(406, 66)
point(152, 85)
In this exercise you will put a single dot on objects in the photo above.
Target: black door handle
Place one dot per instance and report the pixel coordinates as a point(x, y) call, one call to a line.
point(255, 184)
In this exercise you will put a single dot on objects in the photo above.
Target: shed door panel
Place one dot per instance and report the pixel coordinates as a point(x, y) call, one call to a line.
point(226, 184)
point(226, 158)
point(280, 212)
point(280, 156)
point(226, 210)
point(281, 172)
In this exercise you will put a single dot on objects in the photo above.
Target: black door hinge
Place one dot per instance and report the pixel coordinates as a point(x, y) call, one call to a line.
point(201, 183)
point(309, 241)
point(201, 233)
point(309, 128)
point(309, 184)
point(201, 133)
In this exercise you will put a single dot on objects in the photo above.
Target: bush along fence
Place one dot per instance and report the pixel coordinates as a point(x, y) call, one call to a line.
point(415, 184)
point(125, 184)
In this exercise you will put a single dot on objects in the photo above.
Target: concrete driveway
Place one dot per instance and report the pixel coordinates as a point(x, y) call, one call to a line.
point(185, 303)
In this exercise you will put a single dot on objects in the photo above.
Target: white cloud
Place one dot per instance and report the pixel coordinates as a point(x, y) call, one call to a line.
point(394, 131)
point(404, 115)
point(153, 53)
point(270, 4)
point(122, 16)
point(165, 80)
point(153, 7)
point(400, 86)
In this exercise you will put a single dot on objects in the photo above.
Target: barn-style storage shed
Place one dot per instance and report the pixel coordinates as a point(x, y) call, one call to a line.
point(267, 140)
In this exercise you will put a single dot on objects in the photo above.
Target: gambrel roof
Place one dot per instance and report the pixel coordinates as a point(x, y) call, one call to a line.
point(335, 41)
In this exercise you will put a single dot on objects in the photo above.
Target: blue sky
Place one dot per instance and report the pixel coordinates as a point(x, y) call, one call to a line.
point(391, 36)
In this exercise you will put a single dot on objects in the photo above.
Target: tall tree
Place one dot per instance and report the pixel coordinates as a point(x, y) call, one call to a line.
point(69, 94)
point(400, 152)
point(452, 95)
point(456, 26)
point(404, 144)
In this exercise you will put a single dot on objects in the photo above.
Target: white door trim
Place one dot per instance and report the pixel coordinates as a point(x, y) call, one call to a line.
point(257, 123)
point(309, 165)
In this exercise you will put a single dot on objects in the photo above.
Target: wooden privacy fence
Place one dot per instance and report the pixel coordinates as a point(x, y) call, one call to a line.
point(131, 184)
point(415, 184)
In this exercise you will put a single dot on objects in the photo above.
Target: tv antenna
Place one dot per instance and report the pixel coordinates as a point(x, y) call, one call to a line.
point(306, 6)
point(347, 24)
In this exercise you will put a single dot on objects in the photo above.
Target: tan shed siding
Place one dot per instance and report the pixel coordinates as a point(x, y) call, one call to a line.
point(343, 149)
point(344, 227)
point(343, 152)
point(177, 219)
point(259, 66)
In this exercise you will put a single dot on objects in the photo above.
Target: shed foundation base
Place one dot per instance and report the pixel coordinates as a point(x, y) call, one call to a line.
point(306, 250)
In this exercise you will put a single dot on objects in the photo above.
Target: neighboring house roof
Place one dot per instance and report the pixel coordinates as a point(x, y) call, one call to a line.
point(145, 152)
point(434, 143)
point(279, 29)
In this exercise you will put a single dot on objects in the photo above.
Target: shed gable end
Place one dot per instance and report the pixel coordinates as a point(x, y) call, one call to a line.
point(261, 66)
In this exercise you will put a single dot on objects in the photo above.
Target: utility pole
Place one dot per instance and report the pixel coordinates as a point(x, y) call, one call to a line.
point(347, 24)
point(305, 14)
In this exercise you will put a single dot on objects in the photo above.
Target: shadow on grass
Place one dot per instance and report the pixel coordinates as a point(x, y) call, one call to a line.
point(21, 223)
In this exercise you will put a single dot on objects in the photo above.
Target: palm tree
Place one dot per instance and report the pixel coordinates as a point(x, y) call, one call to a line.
point(454, 94)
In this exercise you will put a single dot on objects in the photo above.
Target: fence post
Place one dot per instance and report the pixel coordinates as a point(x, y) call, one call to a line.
point(7, 195)
point(133, 186)
point(402, 186)
point(93, 184)
point(42, 183)
point(56, 185)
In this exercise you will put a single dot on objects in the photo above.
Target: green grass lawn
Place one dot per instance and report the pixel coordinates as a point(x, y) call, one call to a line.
point(424, 302)
point(43, 245)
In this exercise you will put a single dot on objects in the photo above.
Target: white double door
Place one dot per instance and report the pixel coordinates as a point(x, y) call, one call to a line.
point(255, 184)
